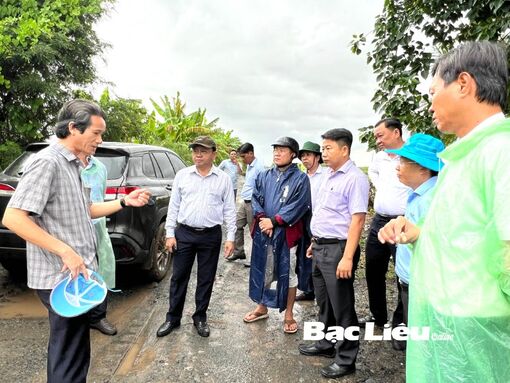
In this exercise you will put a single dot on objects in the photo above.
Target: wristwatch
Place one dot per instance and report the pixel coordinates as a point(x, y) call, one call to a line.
point(123, 202)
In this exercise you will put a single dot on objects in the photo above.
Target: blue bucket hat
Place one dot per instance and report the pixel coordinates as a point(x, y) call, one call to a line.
point(72, 297)
point(422, 149)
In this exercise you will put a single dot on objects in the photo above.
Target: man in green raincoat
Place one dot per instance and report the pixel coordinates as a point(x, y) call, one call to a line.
point(460, 268)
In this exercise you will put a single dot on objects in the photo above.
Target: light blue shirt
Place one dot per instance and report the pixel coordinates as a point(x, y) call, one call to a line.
point(418, 204)
point(201, 202)
point(231, 169)
point(252, 171)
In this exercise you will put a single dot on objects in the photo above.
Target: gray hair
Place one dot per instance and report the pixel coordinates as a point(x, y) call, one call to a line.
point(485, 61)
point(79, 113)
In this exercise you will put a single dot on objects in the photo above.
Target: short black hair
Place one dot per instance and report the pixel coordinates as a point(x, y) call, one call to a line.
point(390, 123)
point(339, 135)
point(245, 148)
point(79, 112)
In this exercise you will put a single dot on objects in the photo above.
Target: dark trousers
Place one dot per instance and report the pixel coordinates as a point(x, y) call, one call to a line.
point(404, 289)
point(335, 298)
point(98, 312)
point(206, 246)
point(377, 259)
point(68, 345)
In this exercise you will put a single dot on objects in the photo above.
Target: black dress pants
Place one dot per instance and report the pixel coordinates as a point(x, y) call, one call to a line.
point(335, 298)
point(68, 345)
point(206, 246)
point(98, 312)
point(377, 259)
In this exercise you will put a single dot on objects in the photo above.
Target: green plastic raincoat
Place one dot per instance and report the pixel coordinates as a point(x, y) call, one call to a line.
point(94, 178)
point(460, 270)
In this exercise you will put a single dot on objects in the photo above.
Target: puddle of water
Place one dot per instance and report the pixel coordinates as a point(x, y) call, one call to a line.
point(24, 305)
point(136, 359)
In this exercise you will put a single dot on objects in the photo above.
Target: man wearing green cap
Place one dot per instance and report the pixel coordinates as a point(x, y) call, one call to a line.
point(460, 268)
point(311, 157)
point(418, 168)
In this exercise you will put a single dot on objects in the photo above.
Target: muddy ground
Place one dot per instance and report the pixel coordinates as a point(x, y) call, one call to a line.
point(235, 352)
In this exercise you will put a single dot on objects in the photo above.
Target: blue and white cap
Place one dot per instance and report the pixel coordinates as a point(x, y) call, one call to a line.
point(73, 297)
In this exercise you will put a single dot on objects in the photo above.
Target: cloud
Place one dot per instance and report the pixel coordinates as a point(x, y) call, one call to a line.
point(266, 69)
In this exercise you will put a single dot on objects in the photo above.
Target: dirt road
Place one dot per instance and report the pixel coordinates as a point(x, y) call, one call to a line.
point(235, 351)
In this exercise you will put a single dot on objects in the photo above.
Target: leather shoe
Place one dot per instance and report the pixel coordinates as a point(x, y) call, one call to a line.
point(369, 318)
point(202, 328)
point(104, 326)
point(398, 345)
point(313, 350)
point(166, 328)
point(334, 371)
point(233, 257)
point(310, 296)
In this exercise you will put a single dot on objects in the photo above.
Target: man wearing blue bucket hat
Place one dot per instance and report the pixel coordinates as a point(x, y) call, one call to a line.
point(460, 268)
point(52, 211)
point(418, 169)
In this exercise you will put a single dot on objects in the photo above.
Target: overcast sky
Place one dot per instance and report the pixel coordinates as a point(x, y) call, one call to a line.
point(265, 68)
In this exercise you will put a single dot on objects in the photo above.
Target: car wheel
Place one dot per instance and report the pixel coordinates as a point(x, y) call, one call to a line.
point(160, 257)
point(17, 269)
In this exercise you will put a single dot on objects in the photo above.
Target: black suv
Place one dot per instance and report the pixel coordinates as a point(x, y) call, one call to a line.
point(137, 235)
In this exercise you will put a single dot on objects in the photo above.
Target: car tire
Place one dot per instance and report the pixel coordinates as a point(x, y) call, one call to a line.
point(161, 259)
point(17, 269)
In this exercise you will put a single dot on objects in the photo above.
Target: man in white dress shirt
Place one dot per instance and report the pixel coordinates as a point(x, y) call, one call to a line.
point(202, 198)
point(390, 201)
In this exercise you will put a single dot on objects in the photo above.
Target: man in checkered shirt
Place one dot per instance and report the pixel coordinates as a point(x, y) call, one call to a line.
point(52, 211)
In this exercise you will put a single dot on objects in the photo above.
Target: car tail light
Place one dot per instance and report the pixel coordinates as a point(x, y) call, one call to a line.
point(6, 190)
point(118, 192)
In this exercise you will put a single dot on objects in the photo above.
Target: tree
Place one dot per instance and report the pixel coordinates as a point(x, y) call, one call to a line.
point(46, 50)
point(407, 36)
point(171, 127)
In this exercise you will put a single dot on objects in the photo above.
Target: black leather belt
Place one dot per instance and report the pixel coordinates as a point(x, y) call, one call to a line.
point(199, 229)
point(327, 241)
point(386, 216)
point(247, 201)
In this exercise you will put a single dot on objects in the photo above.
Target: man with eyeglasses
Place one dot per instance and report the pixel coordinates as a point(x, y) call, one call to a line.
point(202, 199)
point(418, 168)
point(460, 268)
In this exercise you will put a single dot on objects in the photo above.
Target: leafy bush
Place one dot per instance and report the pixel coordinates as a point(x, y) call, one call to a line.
point(8, 153)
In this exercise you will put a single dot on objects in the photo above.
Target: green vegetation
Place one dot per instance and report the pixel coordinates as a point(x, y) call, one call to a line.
point(407, 36)
point(46, 53)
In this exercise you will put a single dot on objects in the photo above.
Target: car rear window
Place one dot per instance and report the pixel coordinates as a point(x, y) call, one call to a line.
point(16, 168)
point(114, 164)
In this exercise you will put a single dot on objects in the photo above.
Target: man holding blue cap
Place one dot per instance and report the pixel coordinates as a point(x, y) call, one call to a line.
point(418, 169)
point(51, 209)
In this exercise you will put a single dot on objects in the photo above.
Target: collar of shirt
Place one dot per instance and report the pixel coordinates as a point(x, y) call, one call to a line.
point(344, 168)
point(193, 169)
point(68, 155)
point(487, 122)
point(253, 163)
point(423, 188)
point(319, 170)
